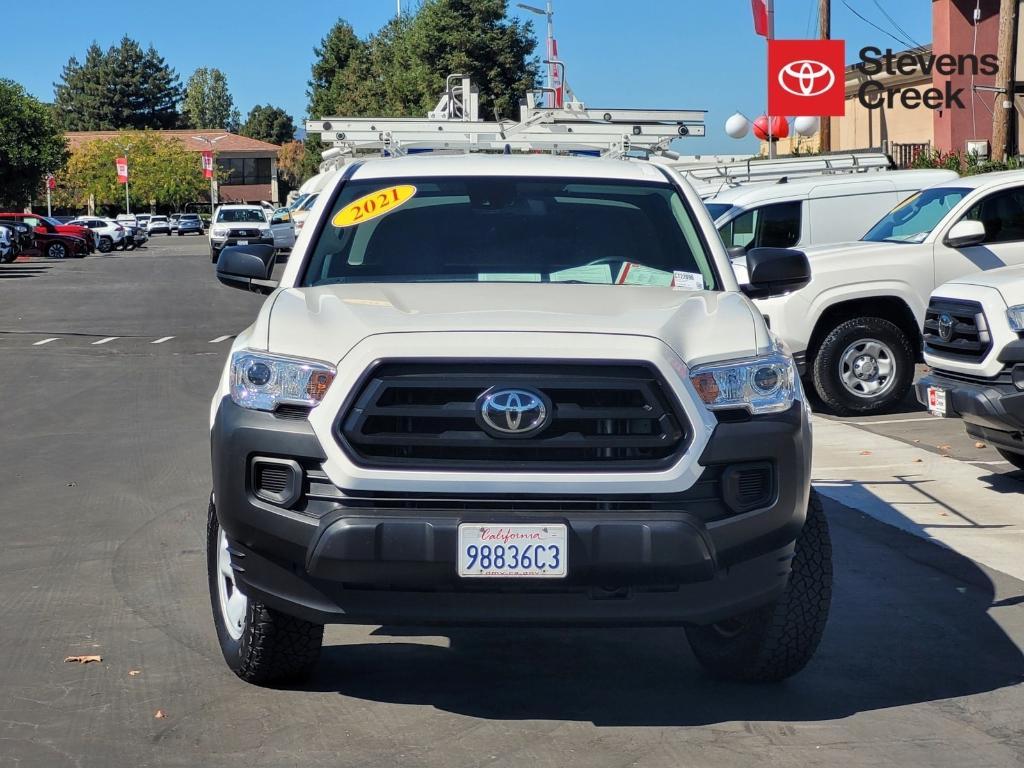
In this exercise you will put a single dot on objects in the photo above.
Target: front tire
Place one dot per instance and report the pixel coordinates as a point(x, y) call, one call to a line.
point(1014, 458)
point(106, 245)
point(56, 250)
point(863, 366)
point(260, 645)
point(774, 642)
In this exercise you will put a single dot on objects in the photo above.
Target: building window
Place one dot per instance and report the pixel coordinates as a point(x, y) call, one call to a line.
point(245, 170)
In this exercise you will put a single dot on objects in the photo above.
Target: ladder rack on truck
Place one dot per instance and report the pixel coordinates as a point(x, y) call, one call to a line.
point(719, 176)
point(454, 125)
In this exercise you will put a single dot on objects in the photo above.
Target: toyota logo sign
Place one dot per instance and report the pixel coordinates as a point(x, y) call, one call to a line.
point(512, 412)
point(805, 77)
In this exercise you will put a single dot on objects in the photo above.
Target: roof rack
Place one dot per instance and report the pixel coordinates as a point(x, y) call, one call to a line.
point(725, 175)
point(454, 125)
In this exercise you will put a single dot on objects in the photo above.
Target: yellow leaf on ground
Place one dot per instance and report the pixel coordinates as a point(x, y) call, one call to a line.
point(82, 659)
point(160, 714)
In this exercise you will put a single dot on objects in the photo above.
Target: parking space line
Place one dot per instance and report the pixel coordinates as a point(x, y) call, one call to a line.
point(45, 341)
point(219, 339)
point(922, 417)
point(104, 341)
point(161, 341)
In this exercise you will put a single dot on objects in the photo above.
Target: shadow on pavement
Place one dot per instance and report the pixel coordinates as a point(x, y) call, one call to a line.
point(909, 624)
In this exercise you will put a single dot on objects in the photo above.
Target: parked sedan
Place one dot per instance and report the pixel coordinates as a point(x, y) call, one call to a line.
point(158, 225)
point(189, 224)
point(135, 236)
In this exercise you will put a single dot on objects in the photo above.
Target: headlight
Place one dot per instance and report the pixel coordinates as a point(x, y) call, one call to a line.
point(220, 232)
point(762, 385)
point(1016, 317)
point(262, 381)
point(265, 232)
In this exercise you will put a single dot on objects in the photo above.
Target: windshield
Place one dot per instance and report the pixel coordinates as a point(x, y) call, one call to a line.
point(308, 202)
point(717, 209)
point(190, 217)
point(913, 220)
point(235, 215)
point(487, 229)
point(298, 201)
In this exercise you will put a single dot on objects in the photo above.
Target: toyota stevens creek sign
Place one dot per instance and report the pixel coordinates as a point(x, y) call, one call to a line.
point(807, 77)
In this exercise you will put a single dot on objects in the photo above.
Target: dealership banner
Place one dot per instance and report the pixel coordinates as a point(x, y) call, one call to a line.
point(208, 164)
point(122, 170)
point(760, 9)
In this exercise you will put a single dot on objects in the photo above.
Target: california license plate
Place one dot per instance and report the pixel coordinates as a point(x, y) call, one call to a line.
point(243, 242)
point(512, 551)
point(937, 401)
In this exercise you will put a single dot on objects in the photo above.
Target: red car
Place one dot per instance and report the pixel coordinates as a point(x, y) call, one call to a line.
point(54, 239)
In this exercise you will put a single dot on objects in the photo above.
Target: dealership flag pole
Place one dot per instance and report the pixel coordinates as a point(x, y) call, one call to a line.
point(825, 30)
point(770, 5)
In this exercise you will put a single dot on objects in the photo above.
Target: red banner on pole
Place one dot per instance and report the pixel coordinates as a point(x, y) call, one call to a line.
point(122, 170)
point(760, 8)
point(208, 164)
point(51, 182)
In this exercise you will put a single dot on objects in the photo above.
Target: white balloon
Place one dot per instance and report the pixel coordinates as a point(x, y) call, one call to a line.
point(806, 126)
point(737, 126)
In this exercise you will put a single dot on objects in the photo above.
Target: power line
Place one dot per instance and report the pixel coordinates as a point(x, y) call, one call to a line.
point(854, 11)
point(897, 27)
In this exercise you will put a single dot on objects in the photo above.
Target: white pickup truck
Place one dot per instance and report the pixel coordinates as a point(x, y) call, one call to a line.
point(974, 343)
point(855, 329)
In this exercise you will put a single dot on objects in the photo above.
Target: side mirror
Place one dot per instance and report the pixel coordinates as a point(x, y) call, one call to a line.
point(775, 271)
point(966, 233)
point(736, 252)
point(239, 266)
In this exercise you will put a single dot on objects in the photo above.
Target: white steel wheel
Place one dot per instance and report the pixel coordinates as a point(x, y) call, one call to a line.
point(233, 604)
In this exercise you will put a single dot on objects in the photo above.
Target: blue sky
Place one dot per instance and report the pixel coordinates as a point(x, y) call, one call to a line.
point(686, 54)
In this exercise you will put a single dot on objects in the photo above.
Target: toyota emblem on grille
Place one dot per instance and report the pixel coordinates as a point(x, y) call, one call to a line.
point(946, 325)
point(513, 412)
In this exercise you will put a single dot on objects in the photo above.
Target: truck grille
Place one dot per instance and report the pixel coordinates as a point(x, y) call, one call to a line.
point(245, 233)
point(956, 329)
point(424, 414)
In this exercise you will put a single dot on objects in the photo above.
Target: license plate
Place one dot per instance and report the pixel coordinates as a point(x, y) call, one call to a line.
point(937, 401)
point(242, 242)
point(499, 551)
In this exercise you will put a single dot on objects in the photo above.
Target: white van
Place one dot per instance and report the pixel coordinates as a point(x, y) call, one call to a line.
point(813, 211)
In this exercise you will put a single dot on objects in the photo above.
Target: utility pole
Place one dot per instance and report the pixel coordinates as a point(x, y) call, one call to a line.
point(825, 33)
point(1004, 91)
point(770, 36)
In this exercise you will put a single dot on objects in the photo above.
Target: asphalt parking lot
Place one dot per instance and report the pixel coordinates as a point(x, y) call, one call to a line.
point(108, 365)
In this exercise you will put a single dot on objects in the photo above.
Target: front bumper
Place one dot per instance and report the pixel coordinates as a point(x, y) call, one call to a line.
point(331, 555)
point(217, 245)
point(991, 410)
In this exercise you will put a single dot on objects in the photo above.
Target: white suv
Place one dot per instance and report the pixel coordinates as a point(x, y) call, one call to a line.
point(110, 233)
point(513, 389)
point(856, 327)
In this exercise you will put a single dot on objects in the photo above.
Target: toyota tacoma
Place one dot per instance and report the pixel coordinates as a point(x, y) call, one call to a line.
point(513, 390)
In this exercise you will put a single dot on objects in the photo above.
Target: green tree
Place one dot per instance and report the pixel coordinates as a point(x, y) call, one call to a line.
point(268, 123)
point(208, 102)
point(31, 145)
point(124, 87)
point(401, 69)
point(159, 168)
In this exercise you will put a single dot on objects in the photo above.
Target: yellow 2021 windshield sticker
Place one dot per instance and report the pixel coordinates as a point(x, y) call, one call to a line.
point(373, 205)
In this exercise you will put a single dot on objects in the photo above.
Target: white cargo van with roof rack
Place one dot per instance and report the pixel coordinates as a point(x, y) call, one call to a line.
point(813, 211)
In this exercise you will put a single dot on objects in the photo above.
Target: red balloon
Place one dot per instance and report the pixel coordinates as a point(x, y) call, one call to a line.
point(780, 128)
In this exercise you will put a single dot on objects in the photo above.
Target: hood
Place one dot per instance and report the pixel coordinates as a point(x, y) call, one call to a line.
point(326, 322)
point(857, 245)
point(1009, 281)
